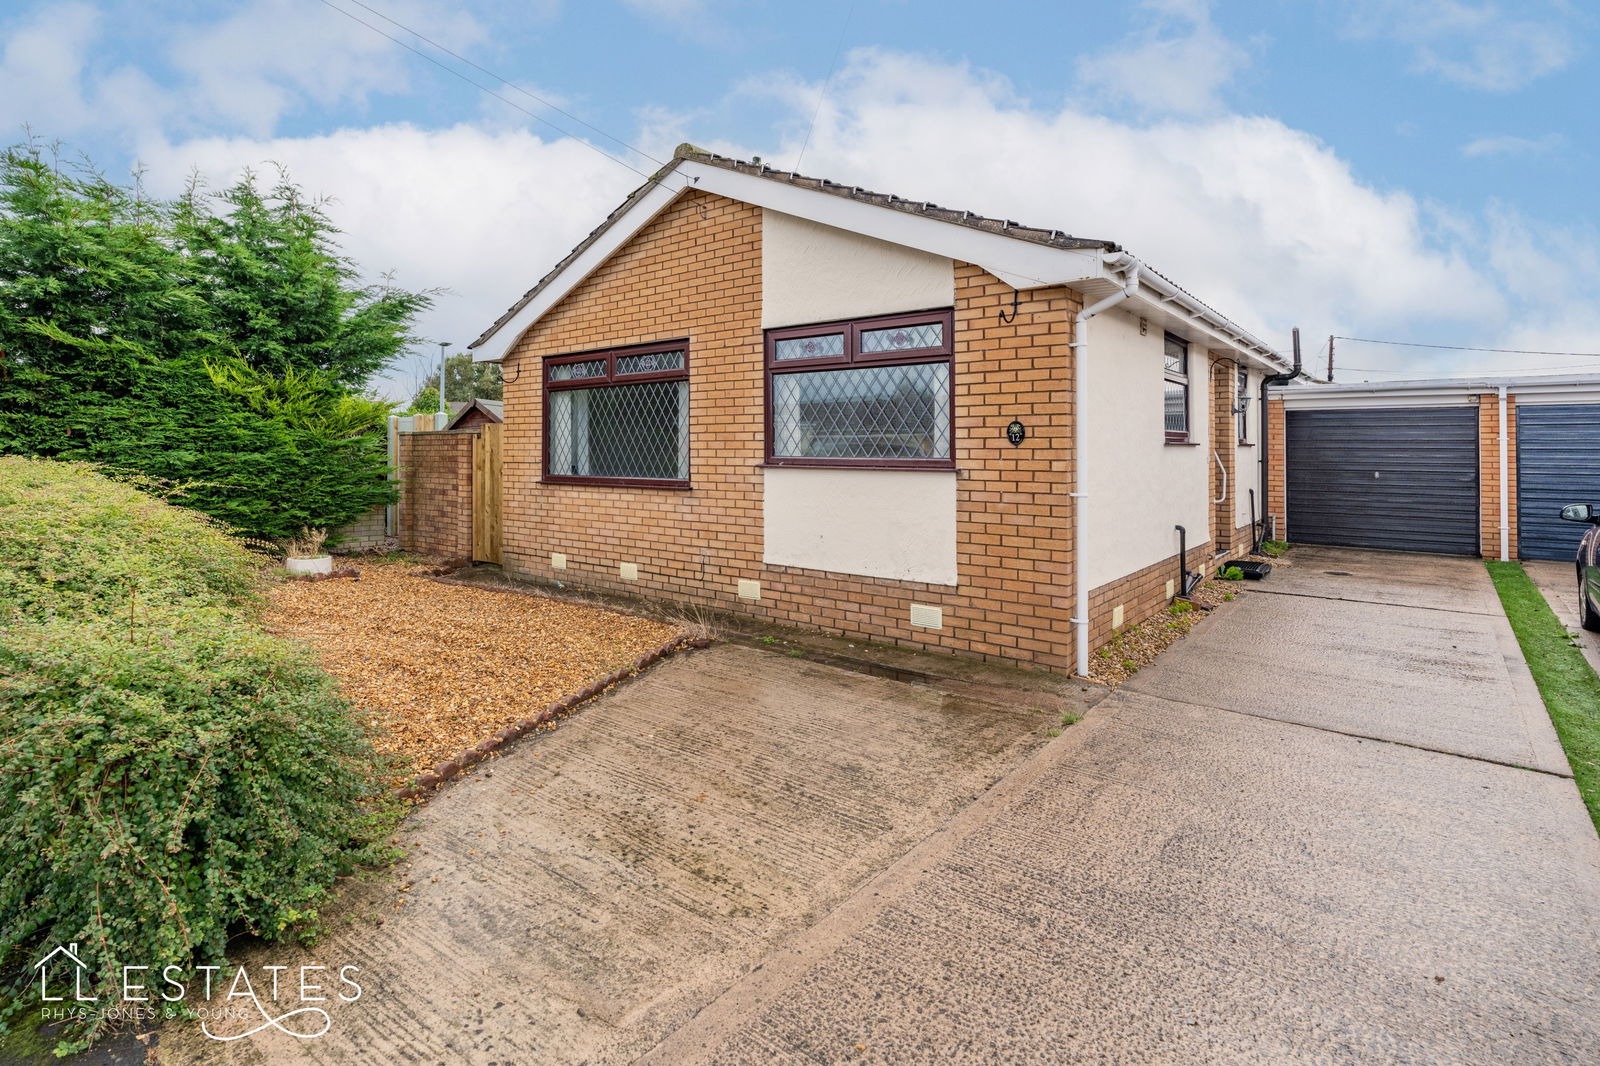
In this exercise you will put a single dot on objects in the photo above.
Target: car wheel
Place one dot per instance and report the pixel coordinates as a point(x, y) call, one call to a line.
point(1586, 616)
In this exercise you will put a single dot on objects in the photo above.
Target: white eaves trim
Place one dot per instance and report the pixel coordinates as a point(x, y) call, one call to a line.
point(1019, 263)
point(493, 348)
point(1441, 392)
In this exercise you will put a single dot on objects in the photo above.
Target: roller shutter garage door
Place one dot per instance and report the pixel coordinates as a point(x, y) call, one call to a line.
point(1399, 478)
point(1558, 462)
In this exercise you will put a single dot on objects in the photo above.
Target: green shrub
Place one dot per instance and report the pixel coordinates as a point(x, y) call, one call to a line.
point(77, 545)
point(218, 339)
point(1274, 548)
point(1231, 573)
point(170, 775)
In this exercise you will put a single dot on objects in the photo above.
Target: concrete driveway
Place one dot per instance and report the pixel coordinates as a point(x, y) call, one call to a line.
point(1330, 826)
point(577, 899)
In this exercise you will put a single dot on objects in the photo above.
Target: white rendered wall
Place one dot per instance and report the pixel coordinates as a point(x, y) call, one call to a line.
point(897, 524)
point(1248, 459)
point(815, 273)
point(1138, 487)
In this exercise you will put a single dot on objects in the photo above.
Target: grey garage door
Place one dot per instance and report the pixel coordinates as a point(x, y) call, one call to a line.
point(1399, 478)
point(1558, 462)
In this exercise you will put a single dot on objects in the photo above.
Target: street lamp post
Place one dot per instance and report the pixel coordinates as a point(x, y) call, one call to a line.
point(442, 409)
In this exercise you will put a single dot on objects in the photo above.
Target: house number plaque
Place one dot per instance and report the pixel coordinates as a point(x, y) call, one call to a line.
point(1016, 433)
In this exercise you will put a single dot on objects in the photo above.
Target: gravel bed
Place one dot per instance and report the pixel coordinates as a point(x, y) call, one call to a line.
point(441, 667)
point(1136, 646)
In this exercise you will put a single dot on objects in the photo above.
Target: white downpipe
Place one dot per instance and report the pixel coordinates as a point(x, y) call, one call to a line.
point(1224, 471)
point(1080, 397)
point(1505, 486)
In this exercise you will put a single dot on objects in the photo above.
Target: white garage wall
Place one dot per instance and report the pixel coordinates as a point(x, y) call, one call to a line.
point(815, 273)
point(1138, 487)
point(897, 524)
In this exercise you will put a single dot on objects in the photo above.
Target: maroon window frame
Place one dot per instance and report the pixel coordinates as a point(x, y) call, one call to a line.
point(853, 357)
point(1175, 362)
point(610, 377)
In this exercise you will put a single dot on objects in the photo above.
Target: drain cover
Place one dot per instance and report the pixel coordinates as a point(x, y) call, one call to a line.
point(1338, 573)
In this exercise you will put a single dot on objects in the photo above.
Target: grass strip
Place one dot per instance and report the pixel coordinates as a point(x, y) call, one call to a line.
point(1567, 682)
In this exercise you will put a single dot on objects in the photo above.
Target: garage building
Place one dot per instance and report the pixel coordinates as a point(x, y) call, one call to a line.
point(1457, 466)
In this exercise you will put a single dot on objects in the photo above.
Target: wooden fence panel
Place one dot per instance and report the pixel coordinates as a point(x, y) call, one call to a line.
point(486, 494)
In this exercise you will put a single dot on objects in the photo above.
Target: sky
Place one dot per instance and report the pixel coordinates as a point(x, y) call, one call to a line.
point(1412, 170)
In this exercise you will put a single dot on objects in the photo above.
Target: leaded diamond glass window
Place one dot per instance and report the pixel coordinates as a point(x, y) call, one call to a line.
point(601, 426)
point(878, 412)
point(649, 362)
point(903, 338)
point(621, 431)
point(875, 392)
point(1176, 409)
point(820, 347)
point(592, 368)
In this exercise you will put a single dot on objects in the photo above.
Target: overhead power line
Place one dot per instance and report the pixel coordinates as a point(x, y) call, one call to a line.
point(833, 65)
point(1464, 348)
point(484, 88)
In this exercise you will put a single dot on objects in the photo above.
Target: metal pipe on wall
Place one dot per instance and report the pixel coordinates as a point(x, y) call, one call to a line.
point(1079, 346)
point(1505, 484)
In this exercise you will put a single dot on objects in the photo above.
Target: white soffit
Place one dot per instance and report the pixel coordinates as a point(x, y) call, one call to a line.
point(1019, 263)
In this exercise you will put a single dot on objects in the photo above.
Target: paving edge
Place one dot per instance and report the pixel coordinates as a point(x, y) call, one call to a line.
point(470, 757)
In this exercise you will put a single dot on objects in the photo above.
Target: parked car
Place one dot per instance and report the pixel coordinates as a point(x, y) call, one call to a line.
point(1588, 562)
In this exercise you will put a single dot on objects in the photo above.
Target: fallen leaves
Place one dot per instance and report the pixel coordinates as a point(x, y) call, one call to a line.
point(441, 667)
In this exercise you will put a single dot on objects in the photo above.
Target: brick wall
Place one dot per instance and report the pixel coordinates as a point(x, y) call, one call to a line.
point(435, 511)
point(1489, 474)
point(1277, 492)
point(368, 531)
point(1142, 593)
point(696, 272)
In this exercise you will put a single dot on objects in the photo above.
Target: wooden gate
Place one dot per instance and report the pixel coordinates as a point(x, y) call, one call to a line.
point(486, 493)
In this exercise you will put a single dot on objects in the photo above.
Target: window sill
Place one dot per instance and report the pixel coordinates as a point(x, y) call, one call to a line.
point(1246, 444)
point(618, 483)
point(1182, 443)
point(934, 466)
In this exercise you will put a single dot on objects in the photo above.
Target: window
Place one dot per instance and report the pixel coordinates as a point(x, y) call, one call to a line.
point(1176, 397)
point(1241, 406)
point(871, 393)
point(619, 417)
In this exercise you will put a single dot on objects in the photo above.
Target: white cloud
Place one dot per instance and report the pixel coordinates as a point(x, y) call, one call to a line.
point(669, 9)
point(1263, 221)
point(259, 63)
point(1177, 63)
point(1507, 144)
point(1476, 45)
point(49, 81)
point(483, 214)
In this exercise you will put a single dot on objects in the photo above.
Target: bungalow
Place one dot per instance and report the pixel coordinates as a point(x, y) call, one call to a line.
point(845, 410)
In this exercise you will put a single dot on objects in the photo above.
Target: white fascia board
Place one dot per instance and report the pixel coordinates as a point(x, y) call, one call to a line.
point(1428, 392)
point(661, 195)
point(1186, 317)
point(1019, 263)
